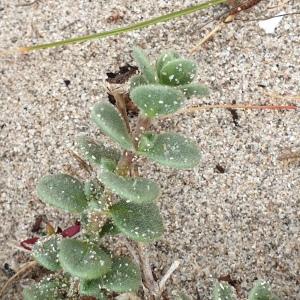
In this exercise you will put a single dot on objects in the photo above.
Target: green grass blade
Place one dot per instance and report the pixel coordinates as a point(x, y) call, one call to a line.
point(132, 27)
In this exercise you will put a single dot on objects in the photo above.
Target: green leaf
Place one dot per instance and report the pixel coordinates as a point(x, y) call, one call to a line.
point(140, 222)
point(170, 149)
point(144, 65)
point(164, 58)
point(194, 89)
point(92, 288)
point(45, 252)
point(49, 288)
point(62, 191)
point(109, 228)
point(222, 291)
point(124, 276)
point(155, 99)
point(135, 189)
point(93, 190)
point(95, 152)
point(261, 291)
point(83, 259)
point(177, 72)
point(108, 119)
point(136, 81)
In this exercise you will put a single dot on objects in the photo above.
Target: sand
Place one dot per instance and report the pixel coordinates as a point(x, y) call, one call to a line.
point(236, 213)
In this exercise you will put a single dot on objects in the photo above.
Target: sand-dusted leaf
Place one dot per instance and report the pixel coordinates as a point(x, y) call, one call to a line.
point(83, 259)
point(109, 120)
point(109, 228)
point(177, 72)
point(164, 58)
point(94, 152)
point(93, 190)
point(92, 288)
point(135, 189)
point(62, 191)
point(140, 222)
point(49, 288)
point(155, 99)
point(170, 149)
point(194, 90)
point(137, 80)
point(144, 65)
point(45, 252)
point(222, 291)
point(124, 276)
point(261, 291)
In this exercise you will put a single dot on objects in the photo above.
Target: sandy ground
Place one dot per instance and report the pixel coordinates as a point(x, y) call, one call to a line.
point(237, 213)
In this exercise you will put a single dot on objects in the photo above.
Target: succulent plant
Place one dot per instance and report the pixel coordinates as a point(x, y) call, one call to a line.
point(125, 201)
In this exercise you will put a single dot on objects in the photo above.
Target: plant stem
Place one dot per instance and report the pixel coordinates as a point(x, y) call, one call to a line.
point(132, 27)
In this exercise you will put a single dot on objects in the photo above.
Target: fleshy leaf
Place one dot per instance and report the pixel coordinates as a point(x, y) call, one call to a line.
point(83, 259)
point(124, 276)
point(108, 119)
point(137, 80)
point(94, 152)
point(140, 222)
point(222, 291)
point(155, 99)
point(109, 228)
point(144, 65)
point(261, 291)
point(177, 72)
point(164, 59)
point(62, 191)
point(45, 252)
point(194, 89)
point(170, 149)
point(92, 288)
point(135, 189)
point(48, 288)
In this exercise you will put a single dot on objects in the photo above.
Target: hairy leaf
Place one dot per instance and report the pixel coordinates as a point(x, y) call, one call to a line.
point(94, 152)
point(144, 65)
point(136, 81)
point(92, 288)
point(261, 291)
point(93, 190)
point(222, 291)
point(164, 59)
point(83, 259)
point(135, 189)
point(155, 99)
point(177, 72)
point(140, 222)
point(47, 289)
point(170, 149)
point(62, 191)
point(109, 228)
point(45, 252)
point(194, 89)
point(108, 119)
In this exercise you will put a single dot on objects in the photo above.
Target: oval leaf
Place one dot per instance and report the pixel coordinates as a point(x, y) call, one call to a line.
point(135, 189)
point(194, 89)
point(177, 72)
point(62, 191)
point(155, 99)
point(222, 291)
point(95, 152)
point(144, 65)
point(45, 252)
point(91, 288)
point(261, 291)
point(137, 80)
point(140, 222)
point(164, 59)
point(109, 228)
point(83, 259)
point(48, 289)
point(108, 119)
point(170, 149)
